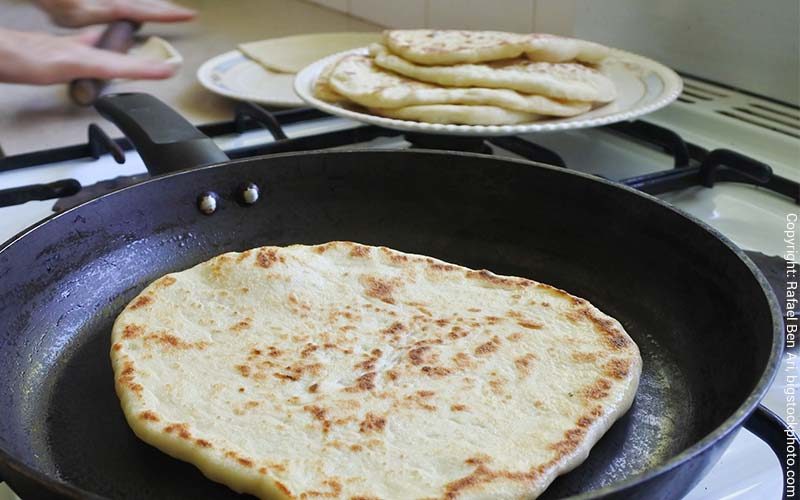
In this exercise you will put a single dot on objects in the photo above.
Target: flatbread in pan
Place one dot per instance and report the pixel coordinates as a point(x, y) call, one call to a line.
point(344, 370)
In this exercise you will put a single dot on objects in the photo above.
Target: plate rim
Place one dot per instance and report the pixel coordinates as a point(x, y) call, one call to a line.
point(203, 75)
point(673, 86)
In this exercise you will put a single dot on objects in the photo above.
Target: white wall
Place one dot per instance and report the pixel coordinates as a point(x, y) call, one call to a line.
point(508, 15)
point(750, 44)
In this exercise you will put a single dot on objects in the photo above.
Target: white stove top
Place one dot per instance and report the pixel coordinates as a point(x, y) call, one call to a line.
point(708, 116)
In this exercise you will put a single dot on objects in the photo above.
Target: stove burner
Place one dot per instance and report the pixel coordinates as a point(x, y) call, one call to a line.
point(693, 165)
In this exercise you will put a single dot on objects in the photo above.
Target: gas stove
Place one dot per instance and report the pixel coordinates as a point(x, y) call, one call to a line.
point(727, 157)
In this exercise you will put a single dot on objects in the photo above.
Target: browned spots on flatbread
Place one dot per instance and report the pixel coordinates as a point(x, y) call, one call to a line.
point(243, 461)
point(274, 352)
point(277, 466)
point(364, 497)
point(308, 349)
point(497, 385)
point(203, 443)
point(392, 374)
point(379, 288)
point(584, 357)
point(457, 332)
point(169, 340)
point(420, 400)
point(514, 337)
point(493, 320)
point(365, 382)
point(282, 487)
point(132, 331)
point(420, 355)
point(488, 347)
point(458, 407)
point(116, 346)
point(335, 489)
point(313, 388)
point(371, 359)
point(262, 470)
point(142, 301)
point(182, 430)
point(441, 266)
point(523, 363)
point(149, 415)
point(607, 328)
point(436, 371)
point(397, 258)
point(243, 255)
point(479, 459)
point(359, 251)
point(505, 281)
point(372, 423)
point(242, 325)
point(126, 378)
point(266, 257)
point(483, 475)
point(463, 360)
point(474, 309)
point(321, 414)
point(531, 325)
point(617, 368)
point(243, 370)
point(166, 281)
point(598, 390)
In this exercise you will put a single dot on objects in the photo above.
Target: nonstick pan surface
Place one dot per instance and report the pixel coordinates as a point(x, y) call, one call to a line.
point(704, 319)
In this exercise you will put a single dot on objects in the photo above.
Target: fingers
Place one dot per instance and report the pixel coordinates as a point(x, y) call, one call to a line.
point(106, 65)
point(152, 10)
point(88, 37)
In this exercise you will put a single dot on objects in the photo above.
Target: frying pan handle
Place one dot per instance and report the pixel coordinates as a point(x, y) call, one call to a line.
point(164, 139)
point(771, 429)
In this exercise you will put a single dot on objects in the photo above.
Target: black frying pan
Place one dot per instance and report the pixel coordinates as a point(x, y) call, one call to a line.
point(708, 326)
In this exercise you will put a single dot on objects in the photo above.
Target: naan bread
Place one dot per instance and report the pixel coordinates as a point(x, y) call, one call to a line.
point(345, 371)
point(571, 81)
point(359, 79)
point(322, 85)
point(458, 114)
point(456, 47)
point(293, 53)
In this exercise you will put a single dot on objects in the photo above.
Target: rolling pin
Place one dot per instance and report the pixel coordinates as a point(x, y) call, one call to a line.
point(117, 37)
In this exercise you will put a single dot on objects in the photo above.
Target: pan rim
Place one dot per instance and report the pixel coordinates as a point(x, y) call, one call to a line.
point(724, 429)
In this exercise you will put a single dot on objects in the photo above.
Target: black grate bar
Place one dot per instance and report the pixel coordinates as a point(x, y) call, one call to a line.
point(654, 135)
point(529, 150)
point(319, 141)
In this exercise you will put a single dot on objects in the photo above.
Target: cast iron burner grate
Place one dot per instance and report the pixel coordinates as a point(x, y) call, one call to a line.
point(692, 164)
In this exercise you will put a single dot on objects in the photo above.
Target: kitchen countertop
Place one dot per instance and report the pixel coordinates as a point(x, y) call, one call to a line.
point(39, 117)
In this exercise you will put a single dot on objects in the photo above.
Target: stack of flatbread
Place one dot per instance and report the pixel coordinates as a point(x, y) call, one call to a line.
point(470, 77)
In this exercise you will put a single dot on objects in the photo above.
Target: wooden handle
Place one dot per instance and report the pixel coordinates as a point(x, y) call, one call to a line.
point(117, 37)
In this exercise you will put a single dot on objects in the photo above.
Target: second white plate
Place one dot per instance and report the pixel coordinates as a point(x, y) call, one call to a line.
point(643, 86)
point(234, 75)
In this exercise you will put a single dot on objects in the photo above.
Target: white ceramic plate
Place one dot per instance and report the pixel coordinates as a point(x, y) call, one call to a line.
point(643, 86)
point(233, 75)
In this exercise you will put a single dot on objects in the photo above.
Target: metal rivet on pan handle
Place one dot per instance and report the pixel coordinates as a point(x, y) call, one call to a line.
point(208, 202)
point(249, 193)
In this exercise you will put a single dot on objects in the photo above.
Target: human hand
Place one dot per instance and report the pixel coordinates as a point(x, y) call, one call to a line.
point(43, 59)
point(75, 13)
